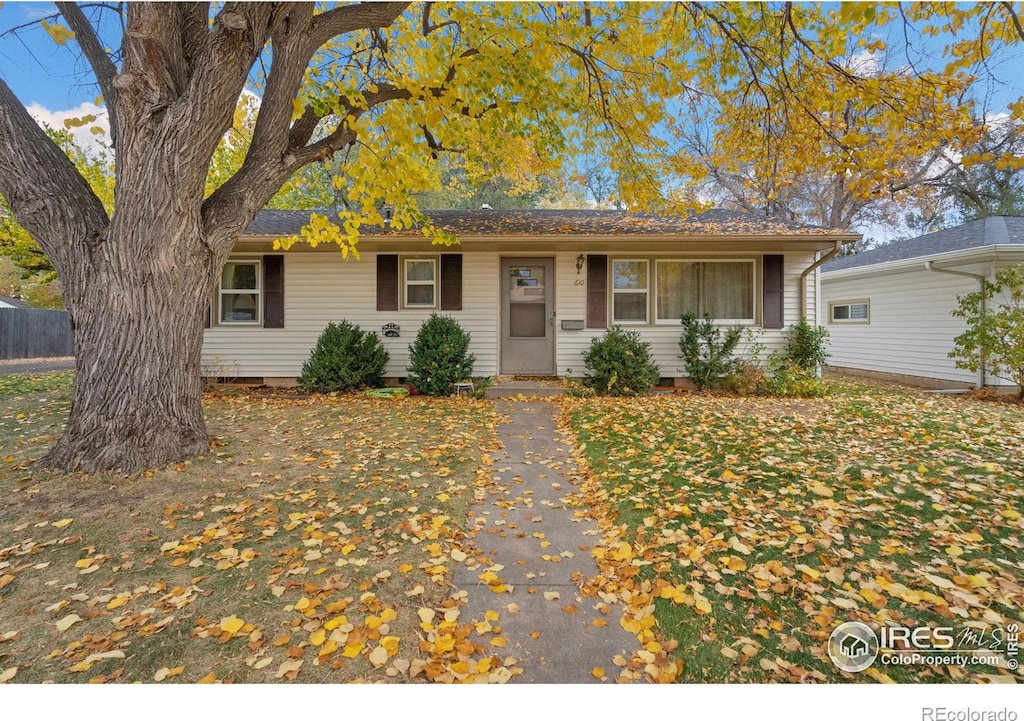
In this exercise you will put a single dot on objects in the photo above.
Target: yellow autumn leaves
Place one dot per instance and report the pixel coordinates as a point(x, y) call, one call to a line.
point(764, 527)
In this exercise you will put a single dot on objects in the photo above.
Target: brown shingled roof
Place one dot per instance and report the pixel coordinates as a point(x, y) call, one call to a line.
point(461, 223)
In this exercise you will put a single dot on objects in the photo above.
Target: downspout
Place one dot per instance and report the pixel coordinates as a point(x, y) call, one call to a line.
point(810, 269)
point(981, 285)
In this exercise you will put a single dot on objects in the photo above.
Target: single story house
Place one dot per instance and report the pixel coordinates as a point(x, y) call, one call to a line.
point(532, 287)
point(888, 310)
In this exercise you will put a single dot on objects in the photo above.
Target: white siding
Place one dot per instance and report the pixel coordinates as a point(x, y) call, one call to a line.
point(911, 329)
point(321, 287)
point(571, 303)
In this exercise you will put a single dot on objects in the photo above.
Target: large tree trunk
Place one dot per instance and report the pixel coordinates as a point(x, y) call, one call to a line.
point(137, 284)
point(138, 336)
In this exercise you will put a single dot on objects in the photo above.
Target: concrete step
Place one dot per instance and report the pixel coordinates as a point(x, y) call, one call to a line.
point(511, 386)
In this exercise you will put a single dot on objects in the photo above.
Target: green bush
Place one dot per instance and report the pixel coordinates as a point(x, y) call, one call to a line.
point(790, 380)
point(806, 345)
point(343, 359)
point(707, 353)
point(995, 327)
point(620, 364)
point(439, 357)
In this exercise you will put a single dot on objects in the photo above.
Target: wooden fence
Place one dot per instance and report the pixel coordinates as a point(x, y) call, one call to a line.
point(34, 333)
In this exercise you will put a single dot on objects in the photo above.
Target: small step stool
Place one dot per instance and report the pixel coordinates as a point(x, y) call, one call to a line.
point(464, 386)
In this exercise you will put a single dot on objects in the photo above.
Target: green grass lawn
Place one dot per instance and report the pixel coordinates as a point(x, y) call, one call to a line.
point(315, 542)
point(746, 529)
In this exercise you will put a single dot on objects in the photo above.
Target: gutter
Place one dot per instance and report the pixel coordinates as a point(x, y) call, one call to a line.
point(837, 246)
point(929, 265)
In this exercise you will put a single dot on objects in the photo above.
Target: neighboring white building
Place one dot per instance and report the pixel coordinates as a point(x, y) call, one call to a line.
point(8, 302)
point(888, 310)
point(531, 287)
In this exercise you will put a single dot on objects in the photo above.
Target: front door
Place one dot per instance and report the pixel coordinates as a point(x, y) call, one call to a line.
point(528, 316)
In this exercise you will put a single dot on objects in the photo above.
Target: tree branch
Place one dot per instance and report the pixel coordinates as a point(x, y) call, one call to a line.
point(195, 30)
point(428, 27)
point(33, 173)
point(102, 65)
point(348, 18)
point(1014, 18)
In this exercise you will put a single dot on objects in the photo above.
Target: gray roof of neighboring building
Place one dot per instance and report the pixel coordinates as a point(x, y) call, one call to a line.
point(8, 301)
point(561, 223)
point(998, 230)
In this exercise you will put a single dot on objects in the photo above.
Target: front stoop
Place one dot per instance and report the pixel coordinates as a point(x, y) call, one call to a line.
point(510, 388)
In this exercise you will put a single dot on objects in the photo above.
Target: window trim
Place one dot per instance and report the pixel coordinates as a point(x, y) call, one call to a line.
point(222, 291)
point(646, 291)
point(435, 261)
point(866, 302)
point(754, 288)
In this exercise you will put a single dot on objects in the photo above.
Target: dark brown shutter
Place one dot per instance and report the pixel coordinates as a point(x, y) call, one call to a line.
point(387, 282)
point(273, 291)
point(771, 292)
point(597, 291)
point(451, 281)
point(209, 314)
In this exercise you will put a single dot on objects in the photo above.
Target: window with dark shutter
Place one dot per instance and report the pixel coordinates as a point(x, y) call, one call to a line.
point(772, 292)
point(451, 281)
point(387, 282)
point(273, 291)
point(597, 291)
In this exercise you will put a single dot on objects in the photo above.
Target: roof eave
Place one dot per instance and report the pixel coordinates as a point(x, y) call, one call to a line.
point(953, 257)
point(578, 243)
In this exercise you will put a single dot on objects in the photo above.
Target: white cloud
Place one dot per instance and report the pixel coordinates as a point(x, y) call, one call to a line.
point(864, 63)
point(90, 142)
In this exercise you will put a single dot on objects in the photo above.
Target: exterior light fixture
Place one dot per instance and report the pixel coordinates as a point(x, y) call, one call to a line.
point(580, 260)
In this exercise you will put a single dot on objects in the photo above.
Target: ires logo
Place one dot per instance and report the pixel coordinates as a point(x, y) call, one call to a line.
point(855, 646)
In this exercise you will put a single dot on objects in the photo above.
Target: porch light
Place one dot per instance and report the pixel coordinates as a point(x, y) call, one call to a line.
point(580, 260)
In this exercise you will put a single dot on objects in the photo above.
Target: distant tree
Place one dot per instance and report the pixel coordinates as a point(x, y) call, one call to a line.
point(987, 181)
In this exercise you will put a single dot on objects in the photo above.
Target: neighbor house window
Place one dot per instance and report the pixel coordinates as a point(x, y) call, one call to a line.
point(240, 292)
point(629, 291)
point(853, 312)
point(724, 290)
point(420, 282)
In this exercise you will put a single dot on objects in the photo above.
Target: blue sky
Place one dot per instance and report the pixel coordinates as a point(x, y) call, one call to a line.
point(37, 69)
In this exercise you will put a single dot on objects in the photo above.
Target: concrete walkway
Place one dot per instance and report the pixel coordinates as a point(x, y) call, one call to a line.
point(524, 525)
point(35, 365)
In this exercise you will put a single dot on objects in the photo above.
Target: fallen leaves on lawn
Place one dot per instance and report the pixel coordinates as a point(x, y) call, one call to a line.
point(758, 525)
point(332, 550)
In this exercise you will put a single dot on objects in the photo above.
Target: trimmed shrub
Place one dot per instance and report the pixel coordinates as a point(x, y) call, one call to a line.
point(439, 357)
point(344, 358)
point(707, 352)
point(806, 345)
point(620, 364)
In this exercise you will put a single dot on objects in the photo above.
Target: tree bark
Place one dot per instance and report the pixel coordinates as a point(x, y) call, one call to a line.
point(137, 284)
point(138, 336)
